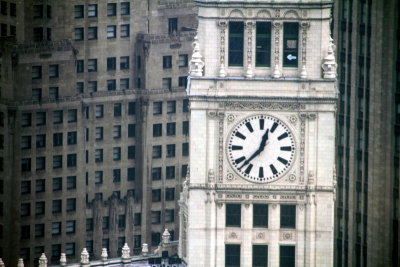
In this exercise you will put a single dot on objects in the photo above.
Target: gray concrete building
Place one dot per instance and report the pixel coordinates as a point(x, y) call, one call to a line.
point(93, 124)
point(367, 205)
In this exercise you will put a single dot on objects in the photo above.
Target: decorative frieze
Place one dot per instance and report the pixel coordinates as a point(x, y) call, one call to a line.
point(263, 106)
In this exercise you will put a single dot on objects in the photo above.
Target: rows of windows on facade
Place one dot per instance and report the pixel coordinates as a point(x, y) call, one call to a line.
point(260, 220)
point(53, 72)
point(8, 10)
point(263, 44)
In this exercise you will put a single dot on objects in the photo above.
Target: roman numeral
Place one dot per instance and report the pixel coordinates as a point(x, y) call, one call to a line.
point(282, 136)
point(261, 124)
point(286, 148)
point(261, 172)
point(241, 136)
point(274, 171)
point(237, 147)
point(273, 128)
point(248, 125)
point(238, 160)
point(282, 160)
point(248, 169)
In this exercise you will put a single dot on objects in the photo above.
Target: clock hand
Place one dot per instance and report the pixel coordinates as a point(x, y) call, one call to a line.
point(263, 143)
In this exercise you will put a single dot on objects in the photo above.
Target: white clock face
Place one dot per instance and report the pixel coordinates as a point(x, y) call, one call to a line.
point(261, 148)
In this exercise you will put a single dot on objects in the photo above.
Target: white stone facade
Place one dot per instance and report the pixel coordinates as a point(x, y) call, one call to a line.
point(222, 97)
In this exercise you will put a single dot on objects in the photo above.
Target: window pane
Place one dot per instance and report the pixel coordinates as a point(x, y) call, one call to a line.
point(290, 44)
point(263, 44)
point(233, 215)
point(235, 54)
point(232, 255)
point(287, 256)
point(260, 255)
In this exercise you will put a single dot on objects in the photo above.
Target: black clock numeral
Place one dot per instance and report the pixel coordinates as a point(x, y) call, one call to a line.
point(238, 160)
point(237, 147)
point(282, 136)
point(261, 124)
point(273, 128)
point(248, 125)
point(248, 169)
point(261, 172)
point(240, 135)
point(282, 160)
point(286, 148)
point(274, 171)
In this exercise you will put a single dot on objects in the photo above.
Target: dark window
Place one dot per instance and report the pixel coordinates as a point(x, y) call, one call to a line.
point(172, 26)
point(170, 172)
point(235, 53)
point(111, 31)
point(78, 11)
point(290, 44)
point(232, 255)
point(71, 182)
point(155, 217)
point(40, 163)
point(92, 65)
point(89, 225)
point(25, 231)
point(72, 115)
point(57, 184)
point(157, 130)
point(171, 107)
point(71, 160)
point(116, 153)
point(125, 8)
point(92, 33)
point(111, 9)
point(260, 215)
point(157, 108)
point(53, 93)
point(288, 216)
point(71, 204)
point(79, 66)
point(79, 33)
point(26, 165)
point(37, 11)
point(99, 111)
point(185, 105)
point(98, 155)
point(39, 230)
point(120, 243)
point(13, 10)
point(169, 215)
point(56, 208)
point(56, 228)
point(117, 109)
point(185, 128)
point(233, 215)
point(116, 175)
point(137, 219)
point(131, 174)
point(183, 61)
point(40, 207)
point(92, 10)
point(167, 62)
point(3, 7)
point(48, 12)
point(131, 130)
point(35, 37)
point(260, 255)
point(25, 187)
point(263, 44)
point(156, 173)
point(137, 241)
point(124, 84)
point(98, 177)
point(57, 161)
point(57, 139)
point(99, 133)
point(125, 31)
point(169, 194)
point(71, 138)
point(124, 63)
point(111, 85)
point(79, 87)
point(25, 142)
point(36, 72)
point(156, 195)
point(40, 118)
point(25, 209)
point(287, 256)
point(70, 249)
point(182, 81)
point(111, 63)
point(157, 152)
point(106, 223)
point(131, 108)
point(37, 94)
point(117, 131)
point(40, 185)
point(171, 128)
point(70, 227)
point(185, 149)
point(53, 71)
point(57, 116)
point(55, 251)
point(167, 83)
point(131, 152)
point(170, 151)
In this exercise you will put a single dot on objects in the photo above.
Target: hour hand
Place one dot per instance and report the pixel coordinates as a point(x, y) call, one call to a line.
point(247, 161)
point(264, 139)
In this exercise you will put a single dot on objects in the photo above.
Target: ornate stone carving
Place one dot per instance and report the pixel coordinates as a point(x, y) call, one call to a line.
point(263, 106)
point(274, 206)
point(43, 260)
point(277, 28)
point(249, 27)
point(231, 118)
point(84, 257)
point(196, 63)
point(329, 63)
point(277, 13)
point(222, 33)
point(260, 235)
point(292, 178)
point(211, 176)
point(230, 177)
point(221, 116)
point(166, 236)
point(305, 25)
point(233, 235)
point(302, 147)
point(287, 236)
point(310, 177)
point(104, 254)
point(293, 119)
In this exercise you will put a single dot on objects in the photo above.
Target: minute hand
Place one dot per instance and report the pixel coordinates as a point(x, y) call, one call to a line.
point(264, 139)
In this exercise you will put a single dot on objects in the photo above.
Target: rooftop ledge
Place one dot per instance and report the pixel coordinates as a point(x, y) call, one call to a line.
point(282, 79)
point(266, 2)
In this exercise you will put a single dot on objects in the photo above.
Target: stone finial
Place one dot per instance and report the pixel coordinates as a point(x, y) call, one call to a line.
point(277, 72)
point(166, 236)
point(196, 63)
point(1, 263)
point(104, 254)
point(63, 259)
point(222, 72)
point(145, 249)
point(249, 72)
point(84, 257)
point(20, 262)
point(329, 62)
point(43, 260)
point(126, 251)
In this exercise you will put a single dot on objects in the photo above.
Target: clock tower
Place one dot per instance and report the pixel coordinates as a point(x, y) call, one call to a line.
point(261, 186)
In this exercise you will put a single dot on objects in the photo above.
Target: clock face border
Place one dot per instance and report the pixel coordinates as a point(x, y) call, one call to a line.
point(271, 118)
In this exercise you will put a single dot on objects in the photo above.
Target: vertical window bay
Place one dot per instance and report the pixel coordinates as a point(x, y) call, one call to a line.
point(235, 56)
point(263, 44)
